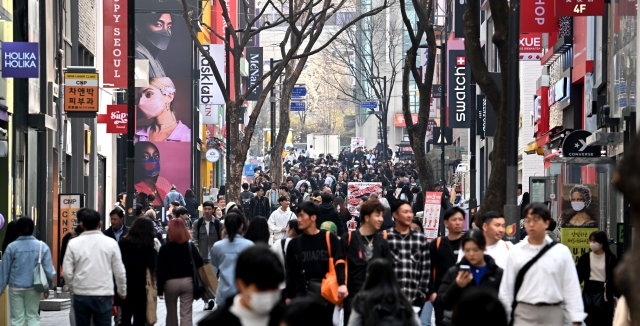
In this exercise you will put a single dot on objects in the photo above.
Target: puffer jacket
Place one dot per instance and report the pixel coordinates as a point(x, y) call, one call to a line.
point(19, 261)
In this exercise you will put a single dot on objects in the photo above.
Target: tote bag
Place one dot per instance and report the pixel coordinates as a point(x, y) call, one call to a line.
point(40, 282)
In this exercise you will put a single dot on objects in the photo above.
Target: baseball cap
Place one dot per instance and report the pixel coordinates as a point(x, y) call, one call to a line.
point(329, 226)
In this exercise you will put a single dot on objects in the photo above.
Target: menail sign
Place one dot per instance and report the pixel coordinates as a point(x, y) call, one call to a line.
point(459, 76)
point(255, 58)
point(19, 60)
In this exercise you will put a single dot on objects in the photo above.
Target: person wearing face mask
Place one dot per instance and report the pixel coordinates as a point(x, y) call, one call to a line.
point(581, 214)
point(147, 172)
point(155, 103)
point(153, 33)
point(258, 301)
point(595, 269)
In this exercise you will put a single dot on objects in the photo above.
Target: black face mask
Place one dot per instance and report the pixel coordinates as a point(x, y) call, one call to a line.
point(160, 39)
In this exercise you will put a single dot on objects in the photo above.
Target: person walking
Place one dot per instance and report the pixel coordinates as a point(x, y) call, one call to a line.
point(445, 252)
point(91, 263)
point(493, 228)
point(361, 247)
point(476, 271)
point(17, 269)
point(307, 261)
point(138, 256)
point(224, 254)
point(192, 203)
point(177, 260)
point(245, 201)
point(279, 219)
point(259, 205)
point(258, 300)
point(410, 253)
point(595, 269)
point(273, 195)
point(326, 212)
point(117, 228)
point(172, 196)
point(381, 300)
point(549, 280)
point(205, 232)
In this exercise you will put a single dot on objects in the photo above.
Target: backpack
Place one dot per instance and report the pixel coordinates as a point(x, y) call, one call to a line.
point(216, 223)
point(245, 200)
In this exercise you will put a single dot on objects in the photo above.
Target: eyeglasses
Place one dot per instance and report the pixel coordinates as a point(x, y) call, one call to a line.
point(532, 220)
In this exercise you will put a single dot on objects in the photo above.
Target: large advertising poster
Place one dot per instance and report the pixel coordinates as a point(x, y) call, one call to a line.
point(163, 115)
point(577, 239)
point(580, 207)
point(357, 192)
point(431, 218)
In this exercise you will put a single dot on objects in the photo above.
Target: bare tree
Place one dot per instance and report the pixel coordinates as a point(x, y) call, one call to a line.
point(496, 194)
point(367, 52)
point(418, 131)
point(304, 21)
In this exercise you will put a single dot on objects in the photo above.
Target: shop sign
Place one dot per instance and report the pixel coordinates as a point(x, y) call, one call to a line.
point(81, 92)
point(537, 16)
point(117, 118)
point(575, 145)
point(459, 77)
point(399, 121)
point(431, 220)
point(209, 114)
point(213, 155)
point(255, 58)
point(579, 8)
point(210, 92)
point(437, 135)
point(557, 92)
point(530, 47)
point(19, 60)
point(114, 42)
point(459, 7)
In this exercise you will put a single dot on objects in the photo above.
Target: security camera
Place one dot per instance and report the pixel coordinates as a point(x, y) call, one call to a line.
point(3, 132)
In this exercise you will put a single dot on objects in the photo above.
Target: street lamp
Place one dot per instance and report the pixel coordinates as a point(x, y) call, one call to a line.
point(227, 39)
point(383, 111)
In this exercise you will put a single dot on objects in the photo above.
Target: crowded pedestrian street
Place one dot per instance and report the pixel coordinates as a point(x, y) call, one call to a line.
point(319, 163)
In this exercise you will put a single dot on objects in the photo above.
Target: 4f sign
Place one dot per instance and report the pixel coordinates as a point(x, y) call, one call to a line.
point(579, 8)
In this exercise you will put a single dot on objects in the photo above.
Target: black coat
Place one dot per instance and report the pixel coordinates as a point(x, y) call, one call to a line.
point(264, 201)
point(329, 213)
point(192, 207)
point(109, 232)
point(223, 316)
point(584, 271)
point(449, 292)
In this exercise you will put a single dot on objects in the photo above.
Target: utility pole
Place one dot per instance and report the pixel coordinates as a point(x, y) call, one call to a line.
point(131, 110)
point(443, 98)
point(473, 201)
point(227, 115)
point(511, 211)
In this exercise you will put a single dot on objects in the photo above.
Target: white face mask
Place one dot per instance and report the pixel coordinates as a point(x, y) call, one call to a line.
point(262, 303)
point(577, 205)
point(150, 107)
point(595, 246)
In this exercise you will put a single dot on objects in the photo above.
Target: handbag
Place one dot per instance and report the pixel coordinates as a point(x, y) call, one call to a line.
point(199, 289)
point(152, 299)
point(330, 284)
point(40, 283)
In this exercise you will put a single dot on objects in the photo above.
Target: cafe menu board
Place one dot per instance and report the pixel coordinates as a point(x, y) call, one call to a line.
point(431, 218)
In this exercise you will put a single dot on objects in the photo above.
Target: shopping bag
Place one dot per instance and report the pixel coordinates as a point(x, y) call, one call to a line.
point(152, 299)
point(210, 281)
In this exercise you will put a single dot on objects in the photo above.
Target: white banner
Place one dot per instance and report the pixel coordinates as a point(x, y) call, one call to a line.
point(209, 91)
point(357, 142)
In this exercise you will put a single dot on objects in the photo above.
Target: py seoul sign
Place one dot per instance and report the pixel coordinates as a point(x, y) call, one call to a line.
point(19, 60)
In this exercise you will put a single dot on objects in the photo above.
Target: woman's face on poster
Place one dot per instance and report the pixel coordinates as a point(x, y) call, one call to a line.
point(577, 197)
point(164, 22)
point(151, 152)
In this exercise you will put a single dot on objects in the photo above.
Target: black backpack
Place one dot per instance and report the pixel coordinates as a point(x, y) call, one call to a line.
point(245, 200)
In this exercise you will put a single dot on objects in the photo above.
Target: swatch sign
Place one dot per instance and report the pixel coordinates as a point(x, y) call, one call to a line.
point(19, 60)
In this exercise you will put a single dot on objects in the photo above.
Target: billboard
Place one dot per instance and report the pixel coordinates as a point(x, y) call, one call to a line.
point(20, 60)
point(164, 115)
point(359, 190)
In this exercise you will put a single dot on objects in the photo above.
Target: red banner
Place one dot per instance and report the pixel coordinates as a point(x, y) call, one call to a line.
point(530, 46)
point(114, 42)
point(117, 119)
point(537, 16)
point(579, 8)
point(399, 121)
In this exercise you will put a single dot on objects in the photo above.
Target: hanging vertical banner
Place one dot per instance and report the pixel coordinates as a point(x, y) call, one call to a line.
point(114, 42)
point(210, 92)
point(459, 76)
point(245, 15)
point(209, 114)
point(459, 7)
point(255, 58)
point(431, 219)
point(537, 16)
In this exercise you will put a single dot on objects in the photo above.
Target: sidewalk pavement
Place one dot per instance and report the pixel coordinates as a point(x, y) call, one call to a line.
point(61, 318)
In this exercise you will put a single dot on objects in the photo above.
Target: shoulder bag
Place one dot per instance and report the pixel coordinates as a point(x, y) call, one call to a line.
point(40, 282)
point(521, 274)
point(152, 299)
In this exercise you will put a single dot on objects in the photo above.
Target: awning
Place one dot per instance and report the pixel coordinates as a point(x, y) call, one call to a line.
point(532, 148)
point(4, 112)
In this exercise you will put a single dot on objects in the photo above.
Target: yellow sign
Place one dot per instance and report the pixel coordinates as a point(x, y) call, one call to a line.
point(577, 239)
point(81, 92)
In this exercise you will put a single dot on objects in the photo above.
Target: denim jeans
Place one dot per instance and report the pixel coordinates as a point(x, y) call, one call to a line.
point(24, 307)
point(97, 308)
point(425, 316)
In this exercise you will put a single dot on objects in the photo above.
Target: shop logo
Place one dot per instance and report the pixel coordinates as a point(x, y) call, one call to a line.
point(511, 230)
point(460, 89)
point(19, 60)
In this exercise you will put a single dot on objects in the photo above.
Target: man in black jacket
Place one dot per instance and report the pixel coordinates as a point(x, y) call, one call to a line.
point(245, 200)
point(328, 213)
point(259, 205)
point(117, 228)
point(445, 252)
point(266, 284)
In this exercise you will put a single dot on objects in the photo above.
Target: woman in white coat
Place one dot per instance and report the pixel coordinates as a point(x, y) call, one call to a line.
point(280, 218)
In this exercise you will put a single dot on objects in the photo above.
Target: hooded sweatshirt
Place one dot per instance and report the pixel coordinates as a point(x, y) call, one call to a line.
point(328, 213)
point(279, 219)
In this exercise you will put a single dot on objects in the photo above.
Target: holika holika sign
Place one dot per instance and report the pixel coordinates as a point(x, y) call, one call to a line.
point(19, 60)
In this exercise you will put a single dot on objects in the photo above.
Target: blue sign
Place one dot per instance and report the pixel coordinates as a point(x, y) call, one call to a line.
point(19, 60)
point(299, 92)
point(298, 106)
point(369, 105)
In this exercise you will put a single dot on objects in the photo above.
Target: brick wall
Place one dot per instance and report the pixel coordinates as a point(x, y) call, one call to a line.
point(87, 23)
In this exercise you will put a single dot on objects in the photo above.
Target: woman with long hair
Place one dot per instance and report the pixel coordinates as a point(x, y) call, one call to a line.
point(304, 191)
point(258, 231)
point(341, 207)
point(192, 204)
point(380, 301)
point(177, 261)
point(595, 269)
point(224, 254)
point(147, 172)
point(138, 256)
point(156, 104)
